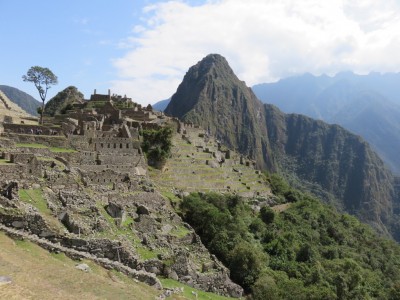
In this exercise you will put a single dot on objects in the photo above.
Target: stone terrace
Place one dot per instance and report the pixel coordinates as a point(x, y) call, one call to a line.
point(196, 165)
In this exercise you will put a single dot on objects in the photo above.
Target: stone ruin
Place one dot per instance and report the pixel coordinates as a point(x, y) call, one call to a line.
point(104, 131)
point(107, 157)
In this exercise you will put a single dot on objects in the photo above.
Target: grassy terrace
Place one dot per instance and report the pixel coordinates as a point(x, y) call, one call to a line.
point(4, 162)
point(187, 170)
point(41, 146)
point(35, 198)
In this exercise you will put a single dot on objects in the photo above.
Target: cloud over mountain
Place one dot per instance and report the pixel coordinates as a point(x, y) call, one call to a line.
point(264, 40)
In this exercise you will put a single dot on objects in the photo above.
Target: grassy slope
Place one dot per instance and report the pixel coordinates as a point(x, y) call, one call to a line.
point(38, 274)
point(33, 271)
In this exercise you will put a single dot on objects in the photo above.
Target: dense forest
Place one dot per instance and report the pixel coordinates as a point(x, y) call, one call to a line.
point(307, 251)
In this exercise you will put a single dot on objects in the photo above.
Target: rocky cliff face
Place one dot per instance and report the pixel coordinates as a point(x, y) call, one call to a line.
point(367, 105)
point(331, 158)
point(313, 153)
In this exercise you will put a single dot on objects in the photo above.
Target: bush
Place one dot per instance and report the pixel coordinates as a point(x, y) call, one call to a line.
point(265, 289)
point(157, 144)
point(267, 214)
point(246, 263)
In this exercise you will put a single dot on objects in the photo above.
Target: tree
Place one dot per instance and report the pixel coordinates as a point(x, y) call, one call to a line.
point(157, 144)
point(267, 214)
point(246, 263)
point(43, 78)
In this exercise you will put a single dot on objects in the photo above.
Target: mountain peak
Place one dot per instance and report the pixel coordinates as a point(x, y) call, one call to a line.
point(213, 59)
point(202, 84)
point(214, 65)
point(212, 96)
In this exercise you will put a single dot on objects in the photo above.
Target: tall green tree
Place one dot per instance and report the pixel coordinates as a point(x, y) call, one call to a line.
point(43, 78)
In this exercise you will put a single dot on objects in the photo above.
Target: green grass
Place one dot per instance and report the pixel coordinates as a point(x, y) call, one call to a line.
point(59, 256)
point(31, 145)
point(180, 231)
point(127, 222)
point(187, 290)
point(41, 146)
point(170, 196)
point(27, 246)
point(146, 253)
point(35, 197)
point(115, 232)
point(4, 161)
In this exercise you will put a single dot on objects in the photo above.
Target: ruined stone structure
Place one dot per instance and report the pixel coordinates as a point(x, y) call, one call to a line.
point(88, 166)
point(104, 131)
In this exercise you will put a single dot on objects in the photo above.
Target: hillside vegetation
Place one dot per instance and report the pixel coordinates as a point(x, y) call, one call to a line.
point(306, 251)
point(63, 101)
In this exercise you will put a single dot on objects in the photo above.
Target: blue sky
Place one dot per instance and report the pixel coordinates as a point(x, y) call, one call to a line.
point(143, 48)
point(75, 39)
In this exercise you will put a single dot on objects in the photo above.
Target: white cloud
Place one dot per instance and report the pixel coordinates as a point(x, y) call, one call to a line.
point(262, 41)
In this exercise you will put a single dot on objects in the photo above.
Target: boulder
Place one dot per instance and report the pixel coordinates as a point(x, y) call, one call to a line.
point(19, 224)
point(115, 211)
point(5, 280)
point(83, 267)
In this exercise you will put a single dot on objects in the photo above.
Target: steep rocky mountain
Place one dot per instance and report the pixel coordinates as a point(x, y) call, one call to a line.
point(22, 99)
point(212, 96)
point(63, 101)
point(326, 159)
point(368, 105)
point(329, 157)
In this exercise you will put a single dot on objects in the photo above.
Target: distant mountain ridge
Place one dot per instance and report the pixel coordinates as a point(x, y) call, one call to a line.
point(22, 99)
point(12, 113)
point(368, 105)
point(161, 105)
point(332, 160)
